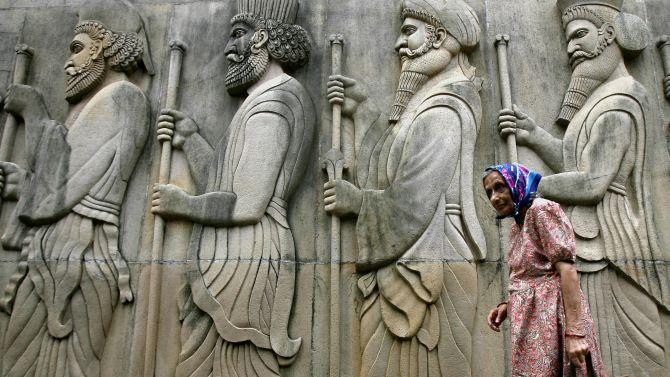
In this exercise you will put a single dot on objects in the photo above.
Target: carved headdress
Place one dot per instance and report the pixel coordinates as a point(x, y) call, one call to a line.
point(285, 11)
point(121, 27)
point(631, 31)
point(455, 16)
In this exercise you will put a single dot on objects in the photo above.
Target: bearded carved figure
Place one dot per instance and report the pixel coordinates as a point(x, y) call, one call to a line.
point(412, 198)
point(239, 296)
point(72, 272)
point(603, 182)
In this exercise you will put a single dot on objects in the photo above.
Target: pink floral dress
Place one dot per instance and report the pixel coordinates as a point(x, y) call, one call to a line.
point(535, 306)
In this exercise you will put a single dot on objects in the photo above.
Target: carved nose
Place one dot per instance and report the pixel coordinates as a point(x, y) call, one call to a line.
point(400, 43)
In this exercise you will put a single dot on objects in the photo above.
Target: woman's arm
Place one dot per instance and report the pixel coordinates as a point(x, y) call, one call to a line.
point(575, 343)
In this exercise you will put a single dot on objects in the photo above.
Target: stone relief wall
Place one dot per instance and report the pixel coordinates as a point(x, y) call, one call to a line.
point(249, 290)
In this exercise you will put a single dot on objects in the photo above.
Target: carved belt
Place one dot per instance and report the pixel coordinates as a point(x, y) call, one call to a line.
point(617, 188)
point(98, 209)
point(452, 209)
point(277, 209)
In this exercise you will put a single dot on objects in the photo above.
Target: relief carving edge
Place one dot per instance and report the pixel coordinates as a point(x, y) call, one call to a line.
point(240, 214)
point(418, 277)
point(664, 47)
point(623, 271)
point(70, 196)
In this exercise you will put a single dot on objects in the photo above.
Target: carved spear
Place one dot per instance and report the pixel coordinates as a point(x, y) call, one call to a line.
point(334, 165)
point(502, 40)
point(177, 49)
point(664, 46)
point(24, 55)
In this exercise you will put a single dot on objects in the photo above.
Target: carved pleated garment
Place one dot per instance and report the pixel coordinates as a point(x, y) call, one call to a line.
point(76, 273)
point(52, 333)
point(417, 237)
point(620, 229)
point(242, 280)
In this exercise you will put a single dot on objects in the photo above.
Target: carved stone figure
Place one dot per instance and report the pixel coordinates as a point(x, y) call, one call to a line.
point(242, 277)
point(412, 198)
point(69, 199)
point(604, 183)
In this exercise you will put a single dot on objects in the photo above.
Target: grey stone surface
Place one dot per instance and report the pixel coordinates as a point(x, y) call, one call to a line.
point(539, 73)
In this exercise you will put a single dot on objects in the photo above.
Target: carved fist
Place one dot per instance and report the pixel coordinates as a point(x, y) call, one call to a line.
point(347, 92)
point(169, 202)
point(23, 101)
point(341, 198)
point(11, 180)
point(577, 348)
point(513, 121)
point(666, 84)
point(176, 126)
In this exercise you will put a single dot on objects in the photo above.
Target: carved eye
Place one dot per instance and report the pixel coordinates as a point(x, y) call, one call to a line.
point(238, 33)
point(408, 30)
point(76, 47)
point(581, 33)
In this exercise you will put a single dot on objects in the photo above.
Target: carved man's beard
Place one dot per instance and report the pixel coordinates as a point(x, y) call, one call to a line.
point(84, 79)
point(589, 70)
point(246, 69)
point(417, 67)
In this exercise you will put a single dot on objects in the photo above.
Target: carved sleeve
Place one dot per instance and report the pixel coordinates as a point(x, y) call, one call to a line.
point(393, 219)
point(261, 147)
point(609, 139)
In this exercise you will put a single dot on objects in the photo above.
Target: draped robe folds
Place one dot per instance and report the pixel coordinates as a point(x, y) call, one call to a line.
point(235, 321)
point(418, 235)
point(70, 202)
point(616, 239)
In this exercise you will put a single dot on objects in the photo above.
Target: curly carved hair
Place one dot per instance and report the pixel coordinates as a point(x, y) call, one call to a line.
point(122, 51)
point(288, 44)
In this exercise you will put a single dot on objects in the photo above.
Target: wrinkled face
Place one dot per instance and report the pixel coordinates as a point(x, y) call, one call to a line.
point(415, 39)
point(85, 68)
point(245, 65)
point(499, 194)
point(584, 41)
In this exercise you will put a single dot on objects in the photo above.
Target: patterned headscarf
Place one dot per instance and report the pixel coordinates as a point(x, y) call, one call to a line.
point(521, 181)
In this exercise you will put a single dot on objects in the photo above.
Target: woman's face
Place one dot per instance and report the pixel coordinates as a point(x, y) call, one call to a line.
point(499, 194)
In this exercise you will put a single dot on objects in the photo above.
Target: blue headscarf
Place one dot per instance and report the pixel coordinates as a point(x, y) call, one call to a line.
point(522, 182)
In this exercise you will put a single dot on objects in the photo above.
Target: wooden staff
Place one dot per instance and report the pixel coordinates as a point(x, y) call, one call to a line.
point(334, 165)
point(24, 55)
point(177, 49)
point(502, 40)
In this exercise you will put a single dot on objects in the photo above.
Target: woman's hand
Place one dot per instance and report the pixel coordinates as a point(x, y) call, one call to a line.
point(497, 316)
point(577, 348)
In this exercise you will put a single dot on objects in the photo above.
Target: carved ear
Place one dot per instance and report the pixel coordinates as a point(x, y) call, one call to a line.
point(96, 48)
point(608, 31)
point(258, 40)
point(441, 35)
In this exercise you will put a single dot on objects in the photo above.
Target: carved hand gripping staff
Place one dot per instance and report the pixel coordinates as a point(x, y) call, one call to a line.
point(502, 40)
point(23, 56)
point(334, 166)
point(177, 49)
point(664, 47)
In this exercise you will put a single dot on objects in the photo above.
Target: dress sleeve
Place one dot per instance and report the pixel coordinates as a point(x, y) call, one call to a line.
point(554, 233)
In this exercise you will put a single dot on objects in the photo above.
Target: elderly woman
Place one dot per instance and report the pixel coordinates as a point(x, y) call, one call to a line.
point(552, 332)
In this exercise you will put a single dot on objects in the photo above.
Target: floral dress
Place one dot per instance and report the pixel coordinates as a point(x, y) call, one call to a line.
point(535, 308)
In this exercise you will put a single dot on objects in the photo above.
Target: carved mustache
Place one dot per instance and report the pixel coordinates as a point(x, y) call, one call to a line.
point(235, 58)
point(578, 57)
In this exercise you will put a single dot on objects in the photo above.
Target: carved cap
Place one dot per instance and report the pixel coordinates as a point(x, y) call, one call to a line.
point(281, 10)
point(565, 4)
point(119, 16)
point(457, 17)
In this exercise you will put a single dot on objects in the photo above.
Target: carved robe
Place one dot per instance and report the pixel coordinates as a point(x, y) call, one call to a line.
point(71, 201)
point(417, 235)
point(616, 239)
point(243, 277)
